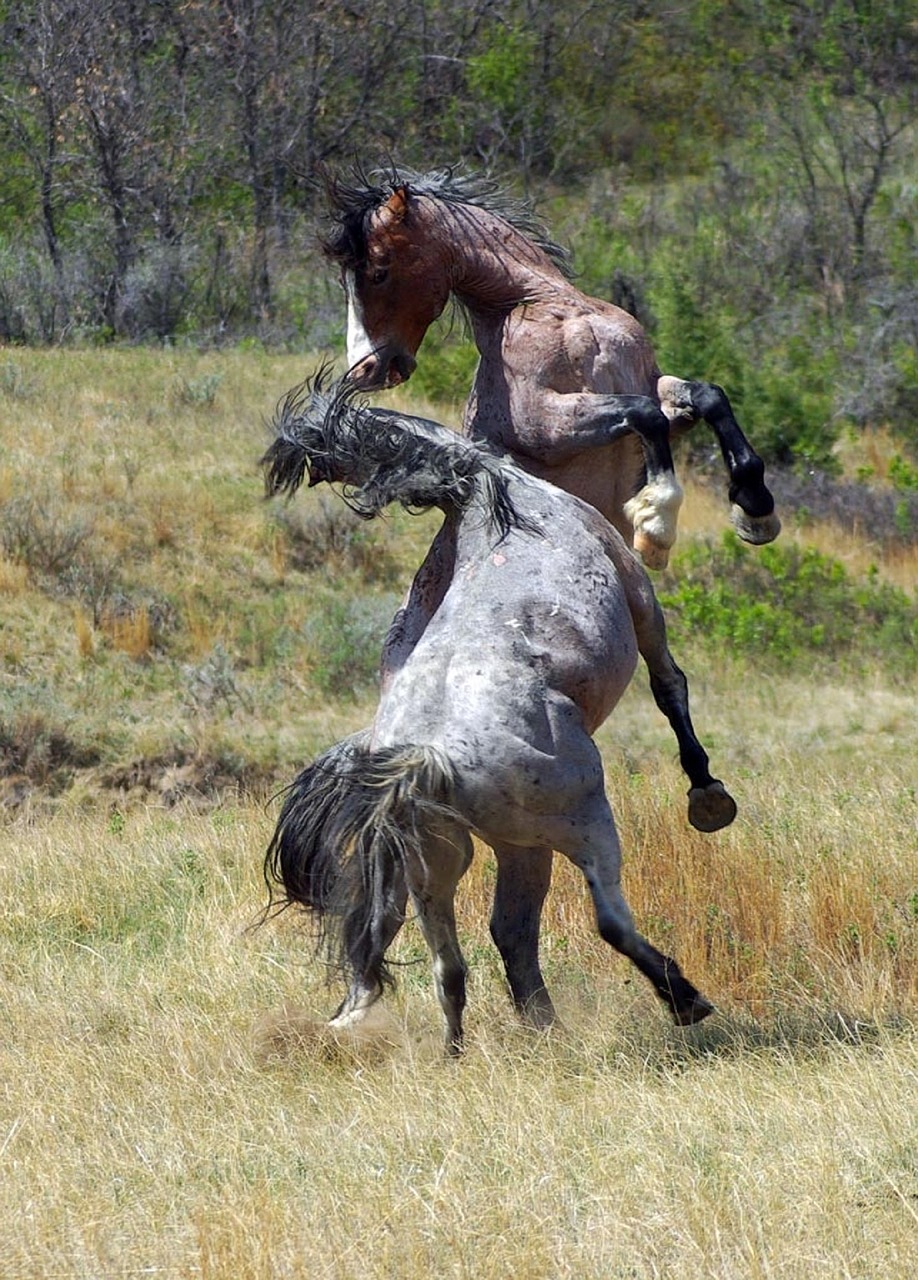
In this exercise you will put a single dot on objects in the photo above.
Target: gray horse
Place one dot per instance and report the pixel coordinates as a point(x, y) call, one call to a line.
point(487, 726)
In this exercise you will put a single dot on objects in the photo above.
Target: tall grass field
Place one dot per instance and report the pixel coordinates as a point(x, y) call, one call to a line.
point(173, 648)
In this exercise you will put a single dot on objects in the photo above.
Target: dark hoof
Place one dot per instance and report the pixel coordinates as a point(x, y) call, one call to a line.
point(695, 1011)
point(756, 530)
point(537, 1011)
point(711, 808)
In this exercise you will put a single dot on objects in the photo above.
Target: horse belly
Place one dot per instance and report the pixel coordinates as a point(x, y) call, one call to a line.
point(595, 669)
point(523, 783)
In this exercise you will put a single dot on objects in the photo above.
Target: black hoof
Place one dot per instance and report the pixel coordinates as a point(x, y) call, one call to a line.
point(695, 1011)
point(711, 808)
point(756, 530)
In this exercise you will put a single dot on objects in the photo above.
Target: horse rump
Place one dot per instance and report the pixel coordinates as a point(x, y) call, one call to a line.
point(349, 822)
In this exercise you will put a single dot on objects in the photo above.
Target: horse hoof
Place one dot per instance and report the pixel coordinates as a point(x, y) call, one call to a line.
point(696, 1011)
point(711, 808)
point(537, 1011)
point(756, 530)
point(653, 554)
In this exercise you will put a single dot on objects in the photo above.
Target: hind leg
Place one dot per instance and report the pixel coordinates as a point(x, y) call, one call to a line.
point(523, 880)
point(571, 422)
point(367, 983)
point(432, 883)
point(595, 849)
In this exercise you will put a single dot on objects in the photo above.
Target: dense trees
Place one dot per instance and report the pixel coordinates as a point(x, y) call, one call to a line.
point(737, 168)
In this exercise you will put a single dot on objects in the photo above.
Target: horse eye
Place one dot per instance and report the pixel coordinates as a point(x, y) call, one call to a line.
point(379, 275)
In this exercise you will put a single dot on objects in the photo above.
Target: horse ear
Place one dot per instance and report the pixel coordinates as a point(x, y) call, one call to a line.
point(395, 208)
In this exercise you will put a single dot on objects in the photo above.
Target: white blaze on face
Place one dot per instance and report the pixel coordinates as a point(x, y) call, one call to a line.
point(359, 345)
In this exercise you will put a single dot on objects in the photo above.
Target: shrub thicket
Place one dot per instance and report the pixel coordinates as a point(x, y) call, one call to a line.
point(785, 603)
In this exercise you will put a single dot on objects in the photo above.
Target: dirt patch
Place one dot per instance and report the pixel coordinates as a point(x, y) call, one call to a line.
point(177, 777)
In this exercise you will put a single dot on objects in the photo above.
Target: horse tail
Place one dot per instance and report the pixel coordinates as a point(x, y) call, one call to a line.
point(348, 823)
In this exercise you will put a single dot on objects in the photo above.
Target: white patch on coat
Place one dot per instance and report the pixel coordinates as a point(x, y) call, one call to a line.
point(359, 345)
point(654, 511)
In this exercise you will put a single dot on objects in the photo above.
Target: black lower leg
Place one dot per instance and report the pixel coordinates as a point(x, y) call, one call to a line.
point(641, 416)
point(453, 995)
point(710, 807)
point(651, 425)
point(684, 1001)
point(523, 880)
point(671, 696)
point(746, 469)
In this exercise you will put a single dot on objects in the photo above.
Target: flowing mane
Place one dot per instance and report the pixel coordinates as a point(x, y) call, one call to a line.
point(380, 457)
point(354, 199)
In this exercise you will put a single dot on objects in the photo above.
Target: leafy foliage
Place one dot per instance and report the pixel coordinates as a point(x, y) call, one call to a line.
point(160, 165)
point(786, 602)
point(345, 636)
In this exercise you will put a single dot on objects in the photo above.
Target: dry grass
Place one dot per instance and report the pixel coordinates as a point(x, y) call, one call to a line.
point(170, 1103)
point(168, 1106)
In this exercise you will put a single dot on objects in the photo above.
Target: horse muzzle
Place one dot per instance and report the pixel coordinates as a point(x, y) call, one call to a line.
point(382, 369)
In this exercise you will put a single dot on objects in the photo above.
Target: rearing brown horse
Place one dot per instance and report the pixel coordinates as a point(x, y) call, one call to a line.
point(566, 384)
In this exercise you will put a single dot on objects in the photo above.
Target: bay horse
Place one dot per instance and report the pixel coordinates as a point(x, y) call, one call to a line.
point(492, 739)
point(566, 384)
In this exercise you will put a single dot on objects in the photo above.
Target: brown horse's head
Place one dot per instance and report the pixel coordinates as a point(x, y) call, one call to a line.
point(397, 282)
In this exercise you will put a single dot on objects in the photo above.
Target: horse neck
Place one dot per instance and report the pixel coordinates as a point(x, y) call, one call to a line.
point(493, 266)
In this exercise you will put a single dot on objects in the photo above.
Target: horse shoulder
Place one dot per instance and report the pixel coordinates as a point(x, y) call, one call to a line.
point(625, 362)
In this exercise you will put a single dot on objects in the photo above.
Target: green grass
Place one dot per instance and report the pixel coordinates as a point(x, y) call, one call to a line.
point(154, 603)
point(789, 603)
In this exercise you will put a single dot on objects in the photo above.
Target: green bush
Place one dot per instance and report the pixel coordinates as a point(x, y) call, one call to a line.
point(446, 367)
point(346, 637)
point(785, 602)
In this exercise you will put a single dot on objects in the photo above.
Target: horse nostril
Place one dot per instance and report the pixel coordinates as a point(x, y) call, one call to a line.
point(401, 368)
point(367, 373)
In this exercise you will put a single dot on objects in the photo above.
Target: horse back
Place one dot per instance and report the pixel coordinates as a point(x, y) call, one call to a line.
point(533, 612)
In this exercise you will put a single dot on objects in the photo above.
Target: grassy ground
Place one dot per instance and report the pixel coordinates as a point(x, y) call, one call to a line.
point(167, 1106)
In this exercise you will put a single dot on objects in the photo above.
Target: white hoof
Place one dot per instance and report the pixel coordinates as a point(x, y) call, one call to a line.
point(654, 514)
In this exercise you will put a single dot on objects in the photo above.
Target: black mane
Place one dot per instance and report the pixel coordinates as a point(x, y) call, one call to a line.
point(353, 200)
point(380, 457)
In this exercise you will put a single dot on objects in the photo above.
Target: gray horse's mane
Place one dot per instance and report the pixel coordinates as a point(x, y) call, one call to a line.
point(381, 457)
point(353, 200)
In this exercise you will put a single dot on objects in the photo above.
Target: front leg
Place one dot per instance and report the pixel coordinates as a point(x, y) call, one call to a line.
point(711, 806)
point(424, 598)
point(557, 427)
point(753, 511)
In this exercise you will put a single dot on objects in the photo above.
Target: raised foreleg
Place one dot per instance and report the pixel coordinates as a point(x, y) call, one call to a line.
point(753, 510)
point(428, 588)
point(560, 426)
point(711, 806)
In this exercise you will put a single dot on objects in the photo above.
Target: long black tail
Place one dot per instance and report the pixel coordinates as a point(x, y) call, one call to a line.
point(348, 823)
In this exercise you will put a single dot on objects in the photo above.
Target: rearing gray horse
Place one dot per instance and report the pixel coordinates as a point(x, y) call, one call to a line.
point(493, 738)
